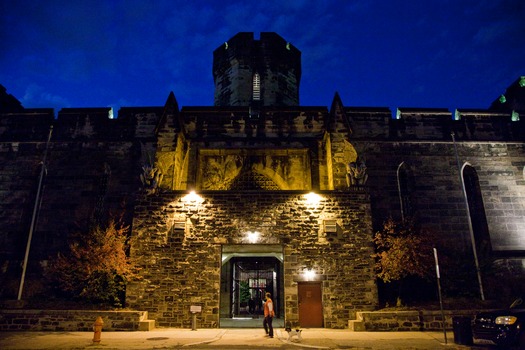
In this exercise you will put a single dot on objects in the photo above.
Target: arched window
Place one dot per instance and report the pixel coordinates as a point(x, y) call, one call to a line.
point(476, 208)
point(256, 87)
point(404, 190)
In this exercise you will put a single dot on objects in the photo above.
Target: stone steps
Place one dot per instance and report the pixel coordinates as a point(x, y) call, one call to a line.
point(146, 325)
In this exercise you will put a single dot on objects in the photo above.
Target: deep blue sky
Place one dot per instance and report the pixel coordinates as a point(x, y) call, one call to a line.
point(433, 53)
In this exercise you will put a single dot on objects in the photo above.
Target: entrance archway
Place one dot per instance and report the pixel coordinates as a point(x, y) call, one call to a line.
point(248, 272)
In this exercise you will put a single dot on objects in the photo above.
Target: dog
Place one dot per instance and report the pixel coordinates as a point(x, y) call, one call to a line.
point(293, 332)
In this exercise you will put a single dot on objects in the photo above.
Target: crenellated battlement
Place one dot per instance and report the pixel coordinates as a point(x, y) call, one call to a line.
point(421, 124)
point(406, 124)
point(80, 124)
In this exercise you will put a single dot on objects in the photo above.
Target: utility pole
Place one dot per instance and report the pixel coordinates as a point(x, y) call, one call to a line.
point(36, 207)
point(469, 219)
point(438, 277)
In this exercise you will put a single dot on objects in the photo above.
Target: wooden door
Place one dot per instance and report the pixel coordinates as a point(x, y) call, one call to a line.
point(310, 305)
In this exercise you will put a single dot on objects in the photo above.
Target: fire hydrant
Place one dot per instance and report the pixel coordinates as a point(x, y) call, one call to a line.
point(97, 328)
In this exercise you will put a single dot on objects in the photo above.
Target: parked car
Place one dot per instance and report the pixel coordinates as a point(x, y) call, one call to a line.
point(505, 328)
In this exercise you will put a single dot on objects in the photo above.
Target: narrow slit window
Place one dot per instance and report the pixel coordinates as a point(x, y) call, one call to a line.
point(405, 191)
point(256, 87)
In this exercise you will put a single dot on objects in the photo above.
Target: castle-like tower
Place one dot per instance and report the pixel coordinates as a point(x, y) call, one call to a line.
point(249, 72)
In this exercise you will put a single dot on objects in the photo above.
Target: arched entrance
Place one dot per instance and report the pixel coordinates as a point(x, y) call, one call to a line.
point(248, 272)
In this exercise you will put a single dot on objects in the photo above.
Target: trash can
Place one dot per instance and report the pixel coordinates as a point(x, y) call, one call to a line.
point(462, 330)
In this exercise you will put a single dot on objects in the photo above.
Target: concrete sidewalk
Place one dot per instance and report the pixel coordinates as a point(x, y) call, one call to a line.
point(318, 338)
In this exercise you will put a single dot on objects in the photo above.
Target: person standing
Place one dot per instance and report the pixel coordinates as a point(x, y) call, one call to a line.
point(268, 315)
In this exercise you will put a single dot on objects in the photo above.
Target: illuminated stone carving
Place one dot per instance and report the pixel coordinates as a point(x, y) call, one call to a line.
point(356, 173)
point(151, 178)
point(221, 171)
point(279, 170)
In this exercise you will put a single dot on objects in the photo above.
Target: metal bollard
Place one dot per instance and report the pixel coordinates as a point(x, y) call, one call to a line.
point(97, 328)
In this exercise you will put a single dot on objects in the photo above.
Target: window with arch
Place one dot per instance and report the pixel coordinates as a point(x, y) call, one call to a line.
point(476, 208)
point(256, 87)
point(404, 190)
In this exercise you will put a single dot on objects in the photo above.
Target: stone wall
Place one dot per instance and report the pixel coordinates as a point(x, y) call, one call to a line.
point(94, 166)
point(70, 320)
point(92, 171)
point(437, 194)
point(412, 321)
point(177, 241)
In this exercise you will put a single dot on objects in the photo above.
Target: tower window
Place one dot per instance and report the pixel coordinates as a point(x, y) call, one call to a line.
point(256, 87)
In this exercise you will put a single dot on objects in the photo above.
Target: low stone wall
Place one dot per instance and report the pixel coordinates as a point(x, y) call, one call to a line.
point(432, 320)
point(406, 320)
point(70, 320)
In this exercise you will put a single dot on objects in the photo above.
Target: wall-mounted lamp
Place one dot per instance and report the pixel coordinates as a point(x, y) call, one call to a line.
point(309, 274)
point(192, 197)
point(253, 237)
point(312, 198)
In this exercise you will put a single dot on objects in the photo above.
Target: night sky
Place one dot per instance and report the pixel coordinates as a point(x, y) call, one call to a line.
point(443, 54)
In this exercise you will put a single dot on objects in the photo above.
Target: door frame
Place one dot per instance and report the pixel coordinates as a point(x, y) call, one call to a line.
point(230, 251)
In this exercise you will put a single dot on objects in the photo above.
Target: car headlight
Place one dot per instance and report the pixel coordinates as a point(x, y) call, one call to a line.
point(506, 320)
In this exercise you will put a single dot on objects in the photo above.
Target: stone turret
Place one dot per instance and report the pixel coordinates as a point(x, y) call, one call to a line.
point(249, 72)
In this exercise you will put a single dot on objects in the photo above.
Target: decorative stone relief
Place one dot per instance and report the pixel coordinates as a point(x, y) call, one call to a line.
point(356, 173)
point(165, 165)
point(221, 171)
point(281, 170)
point(151, 176)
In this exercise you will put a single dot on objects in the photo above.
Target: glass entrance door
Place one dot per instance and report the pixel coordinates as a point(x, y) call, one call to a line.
point(248, 271)
point(252, 277)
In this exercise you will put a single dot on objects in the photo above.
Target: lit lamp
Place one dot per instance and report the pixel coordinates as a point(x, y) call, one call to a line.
point(309, 274)
point(312, 198)
point(192, 197)
point(253, 237)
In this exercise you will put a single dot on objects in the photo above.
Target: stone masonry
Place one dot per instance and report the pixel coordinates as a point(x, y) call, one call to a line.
point(182, 267)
